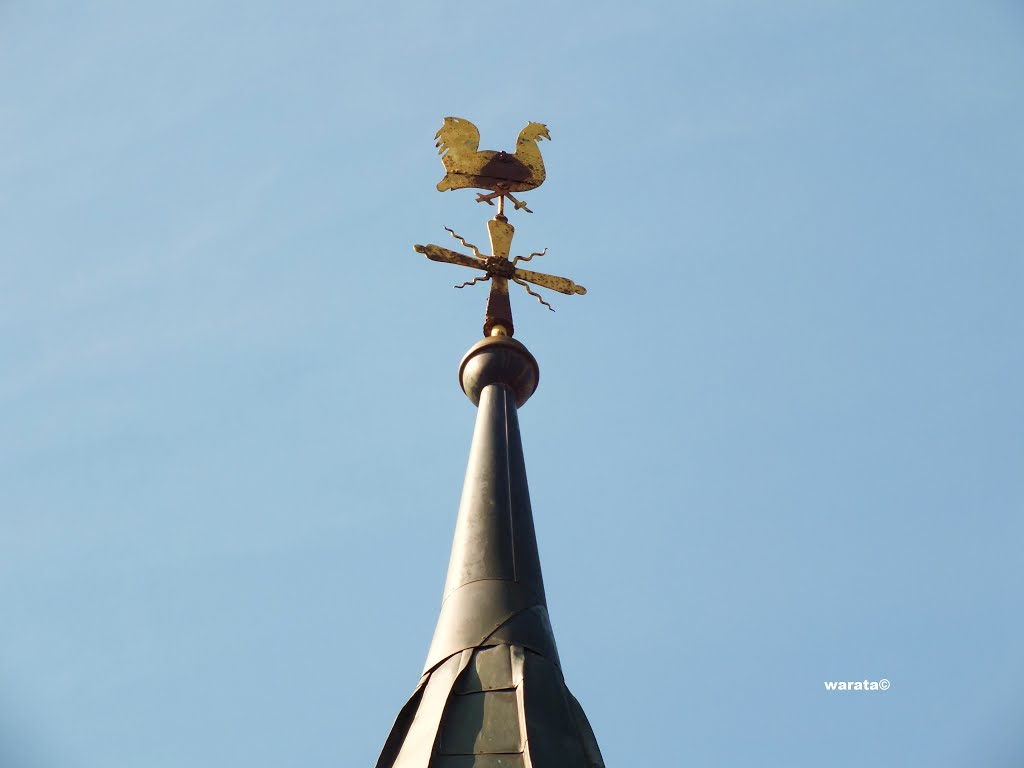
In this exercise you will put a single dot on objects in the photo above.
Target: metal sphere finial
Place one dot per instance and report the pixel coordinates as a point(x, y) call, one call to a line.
point(499, 360)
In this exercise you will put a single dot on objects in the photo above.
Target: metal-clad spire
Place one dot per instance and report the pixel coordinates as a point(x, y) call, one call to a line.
point(492, 693)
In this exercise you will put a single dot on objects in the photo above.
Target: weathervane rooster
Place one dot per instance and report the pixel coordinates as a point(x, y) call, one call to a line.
point(458, 141)
point(502, 174)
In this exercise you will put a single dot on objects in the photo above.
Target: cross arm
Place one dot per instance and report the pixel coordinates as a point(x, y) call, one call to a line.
point(437, 253)
point(554, 282)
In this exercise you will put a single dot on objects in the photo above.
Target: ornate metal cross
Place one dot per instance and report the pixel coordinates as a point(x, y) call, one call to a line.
point(499, 270)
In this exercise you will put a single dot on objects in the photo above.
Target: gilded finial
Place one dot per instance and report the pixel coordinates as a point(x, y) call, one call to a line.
point(501, 173)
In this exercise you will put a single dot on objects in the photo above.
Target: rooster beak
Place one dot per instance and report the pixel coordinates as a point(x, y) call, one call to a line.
point(545, 134)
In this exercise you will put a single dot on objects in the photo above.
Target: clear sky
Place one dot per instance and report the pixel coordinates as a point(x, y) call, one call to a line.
point(780, 442)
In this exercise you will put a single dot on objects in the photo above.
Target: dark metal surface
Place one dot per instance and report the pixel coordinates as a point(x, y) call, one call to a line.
point(499, 359)
point(492, 693)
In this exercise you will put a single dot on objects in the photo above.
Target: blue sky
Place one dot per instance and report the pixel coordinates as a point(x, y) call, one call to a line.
point(779, 442)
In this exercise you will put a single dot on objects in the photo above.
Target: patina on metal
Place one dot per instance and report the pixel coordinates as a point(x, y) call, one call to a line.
point(492, 693)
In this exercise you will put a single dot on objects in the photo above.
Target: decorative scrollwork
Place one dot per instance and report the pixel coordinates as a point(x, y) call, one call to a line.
point(474, 281)
point(537, 296)
point(517, 259)
point(461, 239)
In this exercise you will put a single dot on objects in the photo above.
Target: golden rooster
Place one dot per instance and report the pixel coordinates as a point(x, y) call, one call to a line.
point(500, 172)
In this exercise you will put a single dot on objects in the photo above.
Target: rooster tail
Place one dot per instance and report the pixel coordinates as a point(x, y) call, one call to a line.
point(457, 140)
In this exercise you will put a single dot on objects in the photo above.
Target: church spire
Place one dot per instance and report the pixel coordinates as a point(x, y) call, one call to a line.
point(492, 694)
